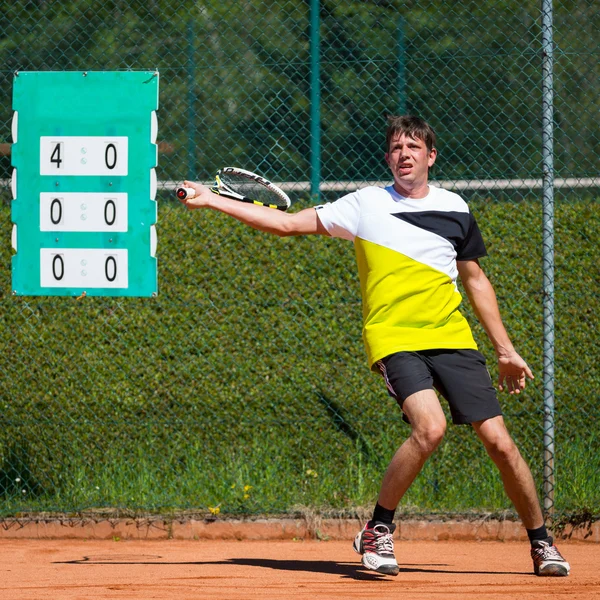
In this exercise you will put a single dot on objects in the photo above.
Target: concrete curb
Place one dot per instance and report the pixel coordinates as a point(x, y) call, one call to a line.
point(272, 529)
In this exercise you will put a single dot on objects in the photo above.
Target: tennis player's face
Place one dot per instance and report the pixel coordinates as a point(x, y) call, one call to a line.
point(410, 160)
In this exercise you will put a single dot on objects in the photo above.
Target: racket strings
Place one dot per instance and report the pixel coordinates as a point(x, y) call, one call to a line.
point(252, 189)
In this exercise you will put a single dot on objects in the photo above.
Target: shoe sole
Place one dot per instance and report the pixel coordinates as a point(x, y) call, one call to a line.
point(383, 569)
point(552, 571)
point(389, 570)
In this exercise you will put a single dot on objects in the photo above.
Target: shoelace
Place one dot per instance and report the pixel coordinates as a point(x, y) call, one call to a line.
point(549, 552)
point(382, 539)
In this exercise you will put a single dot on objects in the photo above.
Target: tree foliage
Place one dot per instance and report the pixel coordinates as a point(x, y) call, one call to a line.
point(236, 78)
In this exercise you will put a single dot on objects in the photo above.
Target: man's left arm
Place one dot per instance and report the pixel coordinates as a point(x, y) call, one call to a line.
point(512, 369)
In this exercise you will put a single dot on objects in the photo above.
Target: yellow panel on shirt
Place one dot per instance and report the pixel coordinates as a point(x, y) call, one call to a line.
point(406, 251)
point(429, 316)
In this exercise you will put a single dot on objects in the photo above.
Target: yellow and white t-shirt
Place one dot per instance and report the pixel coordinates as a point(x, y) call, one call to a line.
point(406, 250)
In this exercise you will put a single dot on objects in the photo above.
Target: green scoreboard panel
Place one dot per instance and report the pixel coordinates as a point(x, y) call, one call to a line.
point(84, 183)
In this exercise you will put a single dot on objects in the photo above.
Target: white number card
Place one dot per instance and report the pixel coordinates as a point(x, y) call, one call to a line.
point(83, 268)
point(78, 155)
point(83, 211)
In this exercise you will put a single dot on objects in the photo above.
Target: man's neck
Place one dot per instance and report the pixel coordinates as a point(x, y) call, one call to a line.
point(416, 193)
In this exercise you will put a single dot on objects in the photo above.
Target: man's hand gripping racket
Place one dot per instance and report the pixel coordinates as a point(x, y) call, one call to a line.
point(237, 184)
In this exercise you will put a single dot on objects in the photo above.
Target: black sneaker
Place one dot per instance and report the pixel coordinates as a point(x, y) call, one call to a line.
point(547, 560)
point(377, 548)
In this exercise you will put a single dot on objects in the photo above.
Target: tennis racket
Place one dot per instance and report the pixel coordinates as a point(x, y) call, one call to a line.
point(244, 186)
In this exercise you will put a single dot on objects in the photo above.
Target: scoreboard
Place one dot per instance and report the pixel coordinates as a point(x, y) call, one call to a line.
point(84, 183)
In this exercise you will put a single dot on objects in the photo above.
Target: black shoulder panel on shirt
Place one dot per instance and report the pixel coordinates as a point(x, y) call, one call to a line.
point(459, 228)
point(452, 226)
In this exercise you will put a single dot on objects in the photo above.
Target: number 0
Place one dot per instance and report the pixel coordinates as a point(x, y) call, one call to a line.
point(110, 212)
point(110, 165)
point(56, 204)
point(58, 261)
point(110, 271)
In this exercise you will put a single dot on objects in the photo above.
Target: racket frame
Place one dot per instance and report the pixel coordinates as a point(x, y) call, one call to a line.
point(222, 189)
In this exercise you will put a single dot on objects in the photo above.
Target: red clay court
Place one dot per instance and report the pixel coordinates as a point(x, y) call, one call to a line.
point(224, 569)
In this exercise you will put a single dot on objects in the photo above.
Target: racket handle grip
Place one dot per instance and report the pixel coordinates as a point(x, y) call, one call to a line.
point(183, 193)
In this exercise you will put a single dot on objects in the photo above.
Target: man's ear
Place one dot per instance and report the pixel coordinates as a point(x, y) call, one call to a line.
point(387, 159)
point(432, 157)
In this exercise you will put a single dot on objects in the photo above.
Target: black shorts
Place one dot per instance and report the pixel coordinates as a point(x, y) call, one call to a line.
point(460, 376)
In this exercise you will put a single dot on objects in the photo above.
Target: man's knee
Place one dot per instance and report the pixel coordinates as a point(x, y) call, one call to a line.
point(427, 420)
point(502, 449)
point(497, 441)
point(428, 438)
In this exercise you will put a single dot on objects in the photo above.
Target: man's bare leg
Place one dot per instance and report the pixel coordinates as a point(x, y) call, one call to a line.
point(428, 424)
point(516, 476)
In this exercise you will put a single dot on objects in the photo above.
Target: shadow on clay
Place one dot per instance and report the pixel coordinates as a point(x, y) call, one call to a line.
point(343, 569)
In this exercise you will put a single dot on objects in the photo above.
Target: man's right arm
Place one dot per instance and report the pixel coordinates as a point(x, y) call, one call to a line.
point(266, 219)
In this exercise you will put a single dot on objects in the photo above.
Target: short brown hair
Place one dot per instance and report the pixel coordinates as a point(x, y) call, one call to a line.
point(414, 127)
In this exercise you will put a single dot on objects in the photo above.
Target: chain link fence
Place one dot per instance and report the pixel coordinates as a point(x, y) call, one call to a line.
point(243, 388)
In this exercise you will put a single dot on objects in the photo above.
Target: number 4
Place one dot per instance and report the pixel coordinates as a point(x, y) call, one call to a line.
point(55, 158)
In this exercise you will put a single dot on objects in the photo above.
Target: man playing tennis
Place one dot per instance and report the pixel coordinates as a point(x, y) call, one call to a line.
point(412, 241)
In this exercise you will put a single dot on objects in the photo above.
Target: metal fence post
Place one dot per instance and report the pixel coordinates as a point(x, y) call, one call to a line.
point(401, 65)
point(548, 253)
point(191, 110)
point(315, 101)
